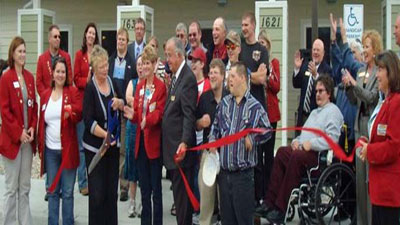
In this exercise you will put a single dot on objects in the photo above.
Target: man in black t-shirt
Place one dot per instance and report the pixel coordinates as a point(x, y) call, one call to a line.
point(255, 57)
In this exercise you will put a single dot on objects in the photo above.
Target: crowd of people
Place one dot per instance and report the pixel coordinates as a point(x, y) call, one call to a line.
point(115, 121)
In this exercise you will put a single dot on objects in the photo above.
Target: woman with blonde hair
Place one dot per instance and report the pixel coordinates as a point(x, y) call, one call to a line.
point(101, 112)
point(363, 92)
point(150, 98)
point(272, 88)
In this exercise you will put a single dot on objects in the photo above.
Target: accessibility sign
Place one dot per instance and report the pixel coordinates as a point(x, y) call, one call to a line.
point(353, 19)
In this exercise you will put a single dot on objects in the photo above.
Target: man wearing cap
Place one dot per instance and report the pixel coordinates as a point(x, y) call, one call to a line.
point(232, 44)
point(198, 58)
point(237, 111)
point(205, 114)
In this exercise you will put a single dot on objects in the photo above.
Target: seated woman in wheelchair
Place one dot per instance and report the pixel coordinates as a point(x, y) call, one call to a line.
point(292, 161)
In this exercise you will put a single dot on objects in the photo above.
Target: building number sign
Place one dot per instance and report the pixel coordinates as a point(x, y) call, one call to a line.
point(271, 22)
point(128, 24)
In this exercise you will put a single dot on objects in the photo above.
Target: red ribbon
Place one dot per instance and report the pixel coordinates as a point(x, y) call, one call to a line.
point(337, 150)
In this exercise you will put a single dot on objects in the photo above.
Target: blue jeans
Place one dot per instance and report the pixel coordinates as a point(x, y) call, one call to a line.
point(150, 186)
point(64, 189)
point(82, 176)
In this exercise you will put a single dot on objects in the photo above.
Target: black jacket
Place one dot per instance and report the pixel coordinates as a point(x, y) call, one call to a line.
point(130, 70)
point(178, 124)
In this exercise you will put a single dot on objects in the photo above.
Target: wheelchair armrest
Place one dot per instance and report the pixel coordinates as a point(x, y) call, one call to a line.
point(324, 159)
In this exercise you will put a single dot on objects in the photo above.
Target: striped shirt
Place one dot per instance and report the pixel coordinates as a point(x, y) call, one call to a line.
point(231, 118)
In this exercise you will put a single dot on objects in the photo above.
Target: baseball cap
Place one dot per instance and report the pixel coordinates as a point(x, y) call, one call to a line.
point(233, 37)
point(199, 54)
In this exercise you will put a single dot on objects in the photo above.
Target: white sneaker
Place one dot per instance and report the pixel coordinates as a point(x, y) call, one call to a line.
point(196, 218)
point(132, 209)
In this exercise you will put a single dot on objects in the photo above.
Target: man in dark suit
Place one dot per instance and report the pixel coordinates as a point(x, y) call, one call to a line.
point(136, 47)
point(178, 127)
point(304, 76)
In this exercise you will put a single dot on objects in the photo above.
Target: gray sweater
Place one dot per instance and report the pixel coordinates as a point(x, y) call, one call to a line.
point(327, 118)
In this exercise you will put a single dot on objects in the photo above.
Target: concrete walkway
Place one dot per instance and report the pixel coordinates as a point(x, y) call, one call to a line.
point(40, 212)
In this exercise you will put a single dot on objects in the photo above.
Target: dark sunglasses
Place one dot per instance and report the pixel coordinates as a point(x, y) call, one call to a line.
point(194, 35)
point(57, 36)
point(230, 46)
point(179, 35)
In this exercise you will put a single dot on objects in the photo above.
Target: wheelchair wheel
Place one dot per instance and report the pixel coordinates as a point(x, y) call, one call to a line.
point(291, 212)
point(335, 194)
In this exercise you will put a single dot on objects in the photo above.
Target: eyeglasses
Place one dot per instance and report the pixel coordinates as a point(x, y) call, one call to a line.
point(319, 91)
point(57, 36)
point(180, 36)
point(192, 35)
point(230, 47)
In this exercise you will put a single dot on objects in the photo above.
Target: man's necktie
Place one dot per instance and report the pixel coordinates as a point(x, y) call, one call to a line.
point(137, 52)
point(307, 98)
point(173, 81)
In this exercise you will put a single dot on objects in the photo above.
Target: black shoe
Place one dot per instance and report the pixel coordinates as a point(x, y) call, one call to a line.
point(275, 217)
point(262, 210)
point(123, 196)
point(46, 197)
point(340, 216)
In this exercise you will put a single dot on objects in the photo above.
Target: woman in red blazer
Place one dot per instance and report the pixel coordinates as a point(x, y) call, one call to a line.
point(81, 77)
point(150, 98)
point(18, 109)
point(272, 88)
point(60, 110)
point(383, 150)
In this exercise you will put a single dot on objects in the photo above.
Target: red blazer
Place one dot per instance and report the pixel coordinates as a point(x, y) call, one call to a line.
point(383, 153)
point(152, 130)
point(44, 73)
point(12, 110)
point(272, 90)
point(81, 70)
point(69, 139)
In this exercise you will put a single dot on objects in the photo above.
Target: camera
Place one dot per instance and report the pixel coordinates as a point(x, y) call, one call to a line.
point(305, 54)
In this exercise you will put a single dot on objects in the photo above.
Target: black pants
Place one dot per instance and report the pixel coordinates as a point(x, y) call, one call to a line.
point(236, 196)
point(184, 209)
point(382, 215)
point(103, 188)
point(262, 172)
point(150, 186)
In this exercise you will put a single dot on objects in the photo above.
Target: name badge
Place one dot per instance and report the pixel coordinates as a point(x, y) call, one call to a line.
point(16, 84)
point(361, 74)
point(43, 107)
point(141, 92)
point(381, 130)
point(172, 97)
point(152, 107)
point(307, 73)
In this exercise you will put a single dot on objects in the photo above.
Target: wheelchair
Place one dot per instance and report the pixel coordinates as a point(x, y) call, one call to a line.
point(327, 190)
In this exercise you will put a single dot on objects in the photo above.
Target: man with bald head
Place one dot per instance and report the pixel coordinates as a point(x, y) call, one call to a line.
point(304, 76)
point(217, 48)
point(397, 32)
